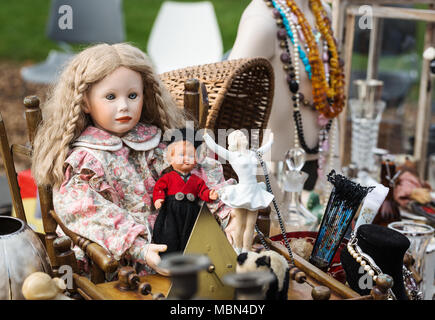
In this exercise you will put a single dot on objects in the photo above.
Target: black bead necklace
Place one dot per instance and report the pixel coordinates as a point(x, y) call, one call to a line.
point(293, 86)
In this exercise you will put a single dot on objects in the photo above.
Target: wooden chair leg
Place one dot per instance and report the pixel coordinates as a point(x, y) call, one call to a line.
point(97, 275)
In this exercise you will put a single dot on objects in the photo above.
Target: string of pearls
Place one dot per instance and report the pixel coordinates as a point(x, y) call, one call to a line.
point(283, 8)
point(365, 261)
point(281, 4)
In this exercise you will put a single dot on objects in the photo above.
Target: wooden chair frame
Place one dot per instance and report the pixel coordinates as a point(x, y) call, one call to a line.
point(59, 249)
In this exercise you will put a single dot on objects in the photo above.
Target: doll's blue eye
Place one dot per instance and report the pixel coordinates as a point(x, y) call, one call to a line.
point(132, 95)
point(110, 96)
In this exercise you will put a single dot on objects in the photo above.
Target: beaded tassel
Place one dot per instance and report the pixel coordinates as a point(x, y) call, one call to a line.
point(342, 206)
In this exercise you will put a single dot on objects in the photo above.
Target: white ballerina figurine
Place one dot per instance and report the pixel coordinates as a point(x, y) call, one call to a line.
point(248, 196)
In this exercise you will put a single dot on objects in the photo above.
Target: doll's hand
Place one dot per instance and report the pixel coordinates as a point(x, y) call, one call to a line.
point(213, 195)
point(152, 257)
point(158, 203)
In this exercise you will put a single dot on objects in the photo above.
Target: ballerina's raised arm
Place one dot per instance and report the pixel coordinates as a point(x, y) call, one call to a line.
point(220, 151)
point(266, 147)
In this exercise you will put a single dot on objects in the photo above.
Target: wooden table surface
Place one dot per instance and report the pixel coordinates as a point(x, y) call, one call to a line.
point(158, 284)
point(162, 284)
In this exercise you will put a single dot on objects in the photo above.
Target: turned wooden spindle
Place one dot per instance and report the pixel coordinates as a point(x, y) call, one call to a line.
point(65, 255)
point(317, 292)
point(300, 277)
point(191, 97)
point(297, 275)
point(128, 279)
point(204, 106)
point(33, 116)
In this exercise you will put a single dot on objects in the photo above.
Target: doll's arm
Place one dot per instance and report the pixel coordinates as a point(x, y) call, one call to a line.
point(206, 194)
point(161, 188)
point(266, 147)
point(220, 151)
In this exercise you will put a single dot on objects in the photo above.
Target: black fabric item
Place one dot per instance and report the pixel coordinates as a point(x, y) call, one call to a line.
point(174, 223)
point(310, 167)
point(387, 248)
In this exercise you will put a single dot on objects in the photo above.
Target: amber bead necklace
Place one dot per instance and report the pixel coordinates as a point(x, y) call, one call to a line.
point(288, 31)
point(327, 99)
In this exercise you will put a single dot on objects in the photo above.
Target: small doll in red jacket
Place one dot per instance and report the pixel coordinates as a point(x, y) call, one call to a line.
point(176, 194)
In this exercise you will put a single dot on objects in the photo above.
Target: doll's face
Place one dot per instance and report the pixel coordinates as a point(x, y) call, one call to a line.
point(237, 141)
point(115, 102)
point(182, 156)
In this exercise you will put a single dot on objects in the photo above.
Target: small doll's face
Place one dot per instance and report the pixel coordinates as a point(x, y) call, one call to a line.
point(182, 156)
point(115, 102)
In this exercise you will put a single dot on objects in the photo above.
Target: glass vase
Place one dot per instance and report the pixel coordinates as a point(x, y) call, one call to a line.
point(420, 236)
point(366, 117)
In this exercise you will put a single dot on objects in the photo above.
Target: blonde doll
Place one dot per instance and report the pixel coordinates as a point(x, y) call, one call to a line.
point(100, 148)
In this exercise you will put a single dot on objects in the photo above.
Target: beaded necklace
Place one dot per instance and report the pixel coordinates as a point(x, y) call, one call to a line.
point(287, 30)
point(328, 99)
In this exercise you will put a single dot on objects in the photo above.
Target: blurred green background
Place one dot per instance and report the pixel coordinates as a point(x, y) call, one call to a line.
point(23, 25)
point(23, 32)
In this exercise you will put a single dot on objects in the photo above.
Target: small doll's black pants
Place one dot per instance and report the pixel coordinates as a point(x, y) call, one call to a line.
point(174, 223)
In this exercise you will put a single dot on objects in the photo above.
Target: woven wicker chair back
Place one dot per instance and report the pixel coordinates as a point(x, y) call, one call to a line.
point(240, 92)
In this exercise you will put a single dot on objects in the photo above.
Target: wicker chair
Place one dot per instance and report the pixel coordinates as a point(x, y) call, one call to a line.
point(240, 95)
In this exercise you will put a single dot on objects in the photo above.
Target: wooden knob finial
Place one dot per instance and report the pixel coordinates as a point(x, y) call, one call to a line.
point(127, 278)
point(145, 288)
point(321, 293)
point(31, 102)
point(62, 244)
point(191, 85)
point(300, 277)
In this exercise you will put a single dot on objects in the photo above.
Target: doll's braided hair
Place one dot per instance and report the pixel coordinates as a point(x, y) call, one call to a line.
point(64, 118)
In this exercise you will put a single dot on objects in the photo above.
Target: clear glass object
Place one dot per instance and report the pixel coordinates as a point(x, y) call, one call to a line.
point(366, 117)
point(420, 236)
point(296, 217)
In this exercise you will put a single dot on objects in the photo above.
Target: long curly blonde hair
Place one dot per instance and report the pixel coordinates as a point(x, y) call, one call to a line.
point(63, 116)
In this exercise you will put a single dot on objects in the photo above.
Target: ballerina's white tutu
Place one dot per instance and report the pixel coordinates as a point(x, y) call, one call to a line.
point(252, 196)
point(248, 193)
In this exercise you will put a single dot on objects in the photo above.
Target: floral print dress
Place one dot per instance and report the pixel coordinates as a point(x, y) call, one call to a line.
point(106, 195)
